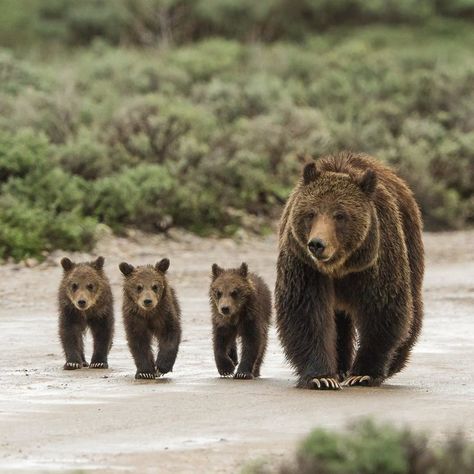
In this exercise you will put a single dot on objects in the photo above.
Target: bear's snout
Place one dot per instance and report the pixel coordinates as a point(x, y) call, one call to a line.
point(82, 303)
point(317, 246)
point(225, 310)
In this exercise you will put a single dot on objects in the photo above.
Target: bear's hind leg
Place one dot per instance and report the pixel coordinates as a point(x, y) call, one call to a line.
point(233, 353)
point(345, 343)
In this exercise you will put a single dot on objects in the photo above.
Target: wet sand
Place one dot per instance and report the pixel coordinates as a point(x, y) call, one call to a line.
point(192, 421)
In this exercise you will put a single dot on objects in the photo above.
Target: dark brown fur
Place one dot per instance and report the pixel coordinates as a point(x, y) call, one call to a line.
point(241, 307)
point(160, 320)
point(369, 275)
point(86, 284)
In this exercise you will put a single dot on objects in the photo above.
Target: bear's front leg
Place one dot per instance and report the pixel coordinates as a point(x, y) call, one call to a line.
point(71, 329)
point(223, 339)
point(380, 334)
point(168, 350)
point(305, 322)
point(102, 329)
point(139, 342)
point(251, 341)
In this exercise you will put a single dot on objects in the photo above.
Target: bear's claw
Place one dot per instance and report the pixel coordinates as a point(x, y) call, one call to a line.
point(226, 374)
point(98, 365)
point(325, 383)
point(360, 380)
point(72, 365)
point(243, 376)
point(145, 375)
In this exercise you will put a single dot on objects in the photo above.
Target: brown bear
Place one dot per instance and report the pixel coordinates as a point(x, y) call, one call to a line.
point(85, 300)
point(350, 257)
point(151, 309)
point(241, 306)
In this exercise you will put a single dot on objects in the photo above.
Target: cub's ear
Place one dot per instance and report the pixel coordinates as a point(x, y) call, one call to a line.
point(98, 263)
point(216, 271)
point(367, 182)
point(163, 265)
point(67, 264)
point(244, 270)
point(310, 172)
point(126, 268)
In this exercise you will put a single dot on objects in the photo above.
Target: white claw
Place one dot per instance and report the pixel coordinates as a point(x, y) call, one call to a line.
point(325, 382)
point(364, 378)
point(317, 382)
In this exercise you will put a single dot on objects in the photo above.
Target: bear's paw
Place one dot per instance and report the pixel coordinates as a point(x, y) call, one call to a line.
point(145, 376)
point(72, 365)
point(99, 365)
point(243, 376)
point(361, 381)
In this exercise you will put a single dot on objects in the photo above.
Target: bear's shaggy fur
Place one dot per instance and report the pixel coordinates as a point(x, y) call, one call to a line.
point(85, 300)
point(350, 257)
point(151, 309)
point(241, 306)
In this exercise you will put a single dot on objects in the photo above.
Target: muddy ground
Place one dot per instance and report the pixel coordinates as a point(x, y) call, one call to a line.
point(192, 421)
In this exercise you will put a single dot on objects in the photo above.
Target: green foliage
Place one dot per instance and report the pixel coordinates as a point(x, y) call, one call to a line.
point(369, 448)
point(207, 135)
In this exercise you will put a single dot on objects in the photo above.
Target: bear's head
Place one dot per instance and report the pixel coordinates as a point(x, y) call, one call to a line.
point(230, 289)
point(83, 282)
point(332, 214)
point(145, 285)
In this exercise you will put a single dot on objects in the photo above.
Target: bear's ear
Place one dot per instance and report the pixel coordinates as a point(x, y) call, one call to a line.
point(67, 264)
point(244, 270)
point(367, 182)
point(163, 265)
point(126, 268)
point(98, 263)
point(216, 271)
point(310, 173)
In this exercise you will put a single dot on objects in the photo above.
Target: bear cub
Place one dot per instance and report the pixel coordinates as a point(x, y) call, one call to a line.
point(85, 300)
point(151, 310)
point(241, 307)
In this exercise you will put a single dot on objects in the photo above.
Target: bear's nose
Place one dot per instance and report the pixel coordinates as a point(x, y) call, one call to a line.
point(225, 310)
point(316, 247)
point(82, 303)
point(147, 302)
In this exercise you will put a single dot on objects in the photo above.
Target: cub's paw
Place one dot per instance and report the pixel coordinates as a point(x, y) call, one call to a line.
point(243, 376)
point(223, 373)
point(72, 365)
point(362, 381)
point(99, 365)
point(225, 367)
point(145, 376)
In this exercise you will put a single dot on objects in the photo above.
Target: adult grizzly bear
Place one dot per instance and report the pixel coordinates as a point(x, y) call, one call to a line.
point(85, 300)
point(350, 257)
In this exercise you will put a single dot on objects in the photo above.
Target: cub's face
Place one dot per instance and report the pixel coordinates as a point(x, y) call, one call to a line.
point(229, 289)
point(145, 284)
point(83, 282)
point(331, 216)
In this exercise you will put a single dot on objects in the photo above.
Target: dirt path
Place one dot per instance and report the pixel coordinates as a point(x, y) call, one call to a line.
point(51, 420)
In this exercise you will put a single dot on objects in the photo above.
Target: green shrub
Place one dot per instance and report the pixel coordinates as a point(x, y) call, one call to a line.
point(369, 448)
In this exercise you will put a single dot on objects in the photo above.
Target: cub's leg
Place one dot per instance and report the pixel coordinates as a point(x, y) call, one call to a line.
point(345, 343)
point(168, 345)
point(71, 331)
point(223, 339)
point(251, 348)
point(139, 342)
point(102, 330)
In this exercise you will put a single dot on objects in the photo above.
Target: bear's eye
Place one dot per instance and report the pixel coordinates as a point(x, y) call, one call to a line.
point(218, 294)
point(90, 286)
point(311, 215)
point(139, 288)
point(339, 216)
point(234, 293)
point(74, 287)
point(154, 288)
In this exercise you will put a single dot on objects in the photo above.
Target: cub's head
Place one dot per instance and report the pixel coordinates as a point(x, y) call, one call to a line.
point(83, 282)
point(230, 289)
point(332, 214)
point(145, 284)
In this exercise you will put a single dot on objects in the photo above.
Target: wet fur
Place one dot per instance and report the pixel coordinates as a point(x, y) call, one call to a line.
point(99, 317)
point(249, 323)
point(376, 289)
point(162, 323)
